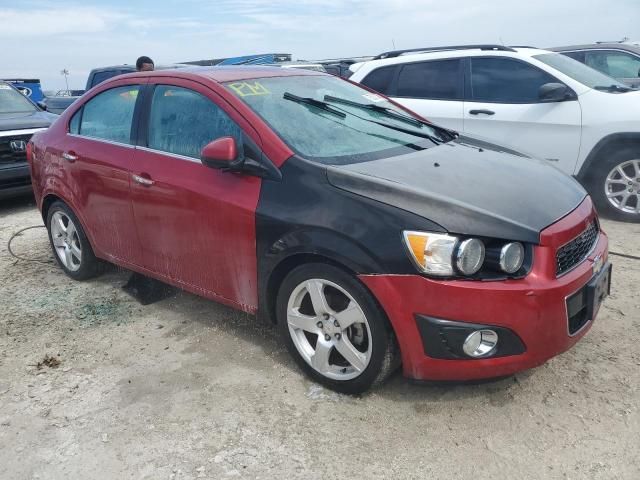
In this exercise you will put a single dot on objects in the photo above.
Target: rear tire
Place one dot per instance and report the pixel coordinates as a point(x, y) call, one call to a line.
point(70, 245)
point(334, 329)
point(614, 185)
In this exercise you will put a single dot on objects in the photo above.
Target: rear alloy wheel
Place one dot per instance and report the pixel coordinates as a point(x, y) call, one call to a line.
point(334, 328)
point(70, 244)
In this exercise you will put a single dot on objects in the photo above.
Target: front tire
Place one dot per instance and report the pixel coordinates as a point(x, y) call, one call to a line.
point(69, 243)
point(614, 185)
point(334, 329)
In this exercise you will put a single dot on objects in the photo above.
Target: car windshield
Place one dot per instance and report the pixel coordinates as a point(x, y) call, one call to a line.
point(301, 112)
point(580, 72)
point(12, 101)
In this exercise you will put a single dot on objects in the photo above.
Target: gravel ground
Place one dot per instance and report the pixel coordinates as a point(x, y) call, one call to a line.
point(95, 386)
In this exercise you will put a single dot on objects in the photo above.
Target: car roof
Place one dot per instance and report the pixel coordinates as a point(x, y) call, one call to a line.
point(452, 53)
point(225, 73)
point(629, 47)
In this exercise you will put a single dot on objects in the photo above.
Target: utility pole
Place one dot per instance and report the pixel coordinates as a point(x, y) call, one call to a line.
point(65, 72)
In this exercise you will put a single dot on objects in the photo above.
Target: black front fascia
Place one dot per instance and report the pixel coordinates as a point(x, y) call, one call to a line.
point(303, 214)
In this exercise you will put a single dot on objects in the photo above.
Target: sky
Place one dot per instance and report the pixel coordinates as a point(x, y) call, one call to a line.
point(38, 39)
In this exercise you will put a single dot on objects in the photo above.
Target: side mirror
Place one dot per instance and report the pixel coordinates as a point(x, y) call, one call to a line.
point(555, 92)
point(221, 153)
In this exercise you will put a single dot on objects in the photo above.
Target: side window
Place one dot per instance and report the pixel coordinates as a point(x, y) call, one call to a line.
point(74, 123)
point(579, 56)
point(380, 79)
point(437, 80)
point(182, 121)
point(613, 63)
point(502, 80)
point(109, 114)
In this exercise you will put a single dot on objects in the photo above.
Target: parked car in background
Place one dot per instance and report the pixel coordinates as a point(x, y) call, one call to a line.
point(370, 236)
point(20, 118)
point(59, 103)
point(584, 122)
point(620, 60)
point(30, 87)
point(316, 67)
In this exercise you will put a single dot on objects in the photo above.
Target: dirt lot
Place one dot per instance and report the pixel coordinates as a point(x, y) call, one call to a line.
point(186, 388)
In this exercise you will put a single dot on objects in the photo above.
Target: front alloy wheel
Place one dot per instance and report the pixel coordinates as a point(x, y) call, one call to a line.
point(329, 329)
point(622, 187)
point(335, 329)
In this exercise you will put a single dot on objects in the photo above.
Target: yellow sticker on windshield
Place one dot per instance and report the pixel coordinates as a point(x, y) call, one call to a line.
point(246, 89)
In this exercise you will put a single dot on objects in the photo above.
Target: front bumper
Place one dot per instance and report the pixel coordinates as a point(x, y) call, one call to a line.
point(14, 179)
point(533, 308)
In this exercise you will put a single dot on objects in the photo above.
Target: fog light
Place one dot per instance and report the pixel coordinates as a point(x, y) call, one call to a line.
point(480, 343)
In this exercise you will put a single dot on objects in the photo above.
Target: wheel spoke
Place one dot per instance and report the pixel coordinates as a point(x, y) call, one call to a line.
point(350, 315)
point(623, 173)
point(301, 321)
point(625, 199)
point(351, 354)
point(319, 301)
point(616, 194)
point(58, 241)
point(67, 258)
point(61, 224)
point(320, 359)
point(636, 165)
point(76, 252)
point(617, 181)
point(71, 230)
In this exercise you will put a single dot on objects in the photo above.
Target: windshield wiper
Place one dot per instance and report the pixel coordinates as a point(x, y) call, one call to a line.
point(612, 88)
point(390, 112)
point(375, 108)
point(314, 103)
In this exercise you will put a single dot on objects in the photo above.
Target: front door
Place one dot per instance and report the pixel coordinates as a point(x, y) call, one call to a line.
point(196, 224)
point(502, 105)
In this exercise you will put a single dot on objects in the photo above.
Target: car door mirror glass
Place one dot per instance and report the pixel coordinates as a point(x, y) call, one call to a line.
point(554, 92)
point(221, 153)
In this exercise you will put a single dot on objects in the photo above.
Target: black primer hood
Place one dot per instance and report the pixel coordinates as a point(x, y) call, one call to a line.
point(19, 121)
point(468, 187)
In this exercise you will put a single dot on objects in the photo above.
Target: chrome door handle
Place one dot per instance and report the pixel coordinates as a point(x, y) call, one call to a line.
point(70, 157)
point(147, 182)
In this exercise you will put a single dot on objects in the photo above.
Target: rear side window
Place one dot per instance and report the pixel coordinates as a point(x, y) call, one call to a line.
point(502, 80)
point(183, 122)
point(380, 79)
point(109, 115)
point(437, 80)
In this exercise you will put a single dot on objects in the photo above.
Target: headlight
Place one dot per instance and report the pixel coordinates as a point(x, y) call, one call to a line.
point(470, 256)
point(432, 252)
point(511, 257)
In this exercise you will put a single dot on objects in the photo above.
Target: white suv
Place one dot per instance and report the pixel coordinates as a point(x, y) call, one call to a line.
point(544, 103)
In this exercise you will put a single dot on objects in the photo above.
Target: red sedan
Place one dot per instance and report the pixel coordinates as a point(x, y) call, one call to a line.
point(370, 236)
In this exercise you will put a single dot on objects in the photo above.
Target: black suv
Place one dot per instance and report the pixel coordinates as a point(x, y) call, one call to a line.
point(19, 119)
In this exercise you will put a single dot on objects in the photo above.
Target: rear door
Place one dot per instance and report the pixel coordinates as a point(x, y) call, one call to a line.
point(97, 155)
point(196, 224)
point(502, 105)
point(433, 89)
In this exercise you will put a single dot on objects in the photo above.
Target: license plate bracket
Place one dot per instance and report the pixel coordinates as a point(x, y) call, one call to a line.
point(598, 289)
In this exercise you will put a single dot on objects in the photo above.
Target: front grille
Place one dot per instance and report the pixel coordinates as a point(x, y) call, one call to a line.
point(574, 252)
point(7, 154)
point(577, 311)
